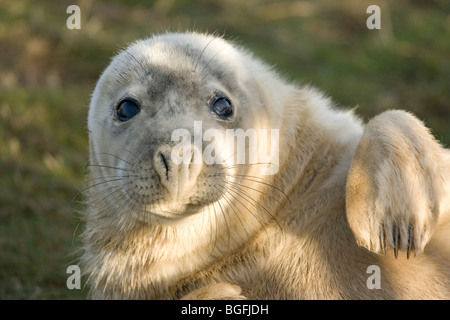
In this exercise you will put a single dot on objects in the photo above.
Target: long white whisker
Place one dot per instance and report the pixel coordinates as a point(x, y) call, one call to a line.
point(236, 196)
point(232, 208)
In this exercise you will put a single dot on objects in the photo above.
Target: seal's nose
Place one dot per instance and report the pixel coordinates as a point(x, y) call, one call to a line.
point(179, 180)
point(165, 168)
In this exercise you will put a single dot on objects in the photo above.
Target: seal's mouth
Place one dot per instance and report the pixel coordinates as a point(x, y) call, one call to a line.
point(173, 212)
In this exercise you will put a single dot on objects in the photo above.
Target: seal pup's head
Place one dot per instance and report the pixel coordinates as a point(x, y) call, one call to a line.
point(186, 163)
point(161, 124)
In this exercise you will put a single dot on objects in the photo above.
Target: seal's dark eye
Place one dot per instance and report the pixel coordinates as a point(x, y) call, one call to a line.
point(127, 109)
point(221, 106)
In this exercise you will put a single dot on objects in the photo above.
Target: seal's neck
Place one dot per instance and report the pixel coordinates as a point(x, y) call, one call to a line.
point(319, 143)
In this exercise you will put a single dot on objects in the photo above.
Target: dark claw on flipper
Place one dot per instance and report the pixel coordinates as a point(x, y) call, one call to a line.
point(383, 240)
point(410, 237)
point(396, 242)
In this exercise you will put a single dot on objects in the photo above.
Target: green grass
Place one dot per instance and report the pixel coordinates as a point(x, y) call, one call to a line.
point(47, 74)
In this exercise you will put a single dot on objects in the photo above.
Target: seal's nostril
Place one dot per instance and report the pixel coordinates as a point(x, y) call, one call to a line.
point(165, 164)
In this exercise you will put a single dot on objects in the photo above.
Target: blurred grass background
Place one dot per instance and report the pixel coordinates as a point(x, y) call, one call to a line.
point(48, 72)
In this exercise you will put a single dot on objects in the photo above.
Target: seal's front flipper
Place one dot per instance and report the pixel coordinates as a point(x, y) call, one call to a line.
point(396, 185)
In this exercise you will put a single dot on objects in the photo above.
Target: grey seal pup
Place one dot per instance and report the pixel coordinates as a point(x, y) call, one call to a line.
point(338, 197)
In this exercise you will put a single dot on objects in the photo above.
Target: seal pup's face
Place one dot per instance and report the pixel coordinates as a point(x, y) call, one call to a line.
point(152, 108)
